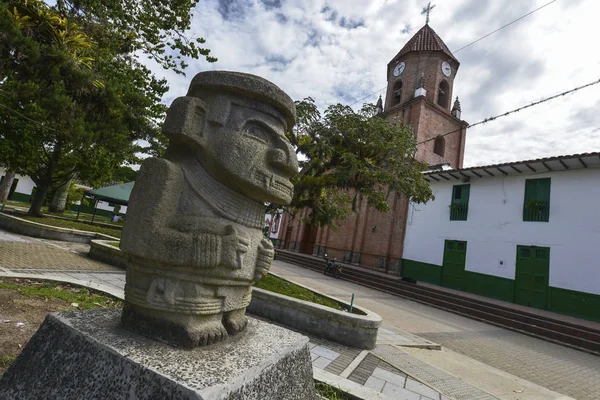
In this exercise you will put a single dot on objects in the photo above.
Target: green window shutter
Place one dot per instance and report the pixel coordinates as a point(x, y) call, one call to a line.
point(543, 190)
point(536, 205)
point(459, 206)
point(465, 194)
point(530, 189)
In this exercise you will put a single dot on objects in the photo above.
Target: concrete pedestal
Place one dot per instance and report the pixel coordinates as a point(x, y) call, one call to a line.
point(89, 355)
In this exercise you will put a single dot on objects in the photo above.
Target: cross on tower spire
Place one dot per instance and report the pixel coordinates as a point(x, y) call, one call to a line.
point(427, 10)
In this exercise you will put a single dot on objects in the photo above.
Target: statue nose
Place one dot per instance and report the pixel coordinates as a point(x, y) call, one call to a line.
point(283, 160)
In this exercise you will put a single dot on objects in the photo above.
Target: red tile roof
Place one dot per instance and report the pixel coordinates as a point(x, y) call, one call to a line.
point(425, 40)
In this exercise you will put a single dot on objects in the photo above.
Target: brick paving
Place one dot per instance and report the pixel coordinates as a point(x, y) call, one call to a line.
point(67, 262)
point(438, 379)
point(26, 257)
point(345, 354)
point(366, 367)
point(558, 368)
point(561, 369)
point(570, 372)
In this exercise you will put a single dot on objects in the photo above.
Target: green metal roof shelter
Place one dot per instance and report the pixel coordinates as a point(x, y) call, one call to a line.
point(116, 194)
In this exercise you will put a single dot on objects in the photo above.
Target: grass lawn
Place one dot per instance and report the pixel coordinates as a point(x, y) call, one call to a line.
point(66, 214)
point(330, 392)
point(84, 298)
point(278, 285)
point(25, 304)
point(63, 223)
point(16, 204)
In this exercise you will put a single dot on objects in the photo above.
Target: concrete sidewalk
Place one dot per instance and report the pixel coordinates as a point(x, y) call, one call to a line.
point(390, 371)
point(353, 370)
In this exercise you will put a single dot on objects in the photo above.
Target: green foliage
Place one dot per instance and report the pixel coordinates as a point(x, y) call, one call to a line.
point(84, 297)
point(154, 28)
point(124, 174)
point(281, 286)
point(65, 223)
point(7, 360)
point(536, 205)
point(75, 194)
point(74, 96)
point(330, 392)
point(352, 156)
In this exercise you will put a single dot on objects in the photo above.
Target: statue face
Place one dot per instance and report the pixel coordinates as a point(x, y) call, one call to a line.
point(251, 153)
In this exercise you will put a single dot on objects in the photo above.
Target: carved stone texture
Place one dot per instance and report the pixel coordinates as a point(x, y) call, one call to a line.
point(193, 233)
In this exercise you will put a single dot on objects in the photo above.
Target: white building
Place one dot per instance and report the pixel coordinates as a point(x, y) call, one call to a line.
point(274, 224)
point(21, 188)
point(526, 232)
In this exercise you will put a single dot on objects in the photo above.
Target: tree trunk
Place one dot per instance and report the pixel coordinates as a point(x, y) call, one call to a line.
point(38, 200)
point(7, 182)
point(59, 201)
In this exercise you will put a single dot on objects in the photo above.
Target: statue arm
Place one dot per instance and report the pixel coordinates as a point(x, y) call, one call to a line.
point(266, 252)
point(201, 249)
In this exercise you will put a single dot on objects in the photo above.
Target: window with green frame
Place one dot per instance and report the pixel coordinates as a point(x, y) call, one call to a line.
point(536, 205)
point(459, 207)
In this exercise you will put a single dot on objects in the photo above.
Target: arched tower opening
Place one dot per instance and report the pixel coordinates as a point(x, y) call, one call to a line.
point(397, 92)
point(439, 146)
point(443, 94)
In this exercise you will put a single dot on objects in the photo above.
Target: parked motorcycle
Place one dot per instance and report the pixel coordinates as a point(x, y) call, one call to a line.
point(332, 268)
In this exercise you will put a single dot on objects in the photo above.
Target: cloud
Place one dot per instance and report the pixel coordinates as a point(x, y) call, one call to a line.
point(337, 51)
point(232, 9)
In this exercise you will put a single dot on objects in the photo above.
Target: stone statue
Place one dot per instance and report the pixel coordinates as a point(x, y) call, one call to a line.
point(193, 233)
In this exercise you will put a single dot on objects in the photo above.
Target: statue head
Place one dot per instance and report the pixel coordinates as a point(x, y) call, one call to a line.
point(235, 125)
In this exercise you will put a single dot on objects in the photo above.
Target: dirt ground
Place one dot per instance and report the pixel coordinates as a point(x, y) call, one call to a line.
point(21, 315)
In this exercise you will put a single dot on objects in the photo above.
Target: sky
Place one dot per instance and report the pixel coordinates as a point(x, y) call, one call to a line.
point(337, 51)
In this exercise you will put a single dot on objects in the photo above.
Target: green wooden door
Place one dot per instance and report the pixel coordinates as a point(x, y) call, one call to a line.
point(453, 267)
point(532, 276)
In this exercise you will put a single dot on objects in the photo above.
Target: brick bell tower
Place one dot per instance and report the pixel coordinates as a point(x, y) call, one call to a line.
point(419, 93)
point(420, 85)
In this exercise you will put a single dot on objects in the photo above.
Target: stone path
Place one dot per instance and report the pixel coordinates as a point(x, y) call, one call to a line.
point(22, 256)
point(388, 372)
point(519, 366)
point(326, 355)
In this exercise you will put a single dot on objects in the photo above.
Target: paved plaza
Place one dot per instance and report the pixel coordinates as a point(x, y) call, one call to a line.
point(477, 360)
point(560, 369)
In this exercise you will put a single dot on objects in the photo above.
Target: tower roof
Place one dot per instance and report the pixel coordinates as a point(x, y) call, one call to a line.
point(425, 40)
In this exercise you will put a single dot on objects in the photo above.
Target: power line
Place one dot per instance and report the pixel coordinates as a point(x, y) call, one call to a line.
point(29, 119)
point(535, 103)
point(504, 26)
point(467, 45)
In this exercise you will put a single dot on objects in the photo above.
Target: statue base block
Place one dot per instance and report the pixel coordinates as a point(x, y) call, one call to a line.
point(89, 355)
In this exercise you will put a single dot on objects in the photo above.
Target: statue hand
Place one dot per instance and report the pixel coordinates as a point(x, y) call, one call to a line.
point(234, 246)
point(264, 258)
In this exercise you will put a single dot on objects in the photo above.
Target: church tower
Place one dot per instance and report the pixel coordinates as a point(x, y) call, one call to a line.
point(419, 93)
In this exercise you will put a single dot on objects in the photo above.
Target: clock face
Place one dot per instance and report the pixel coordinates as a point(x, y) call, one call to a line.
point(399, 68)
point(446, 68)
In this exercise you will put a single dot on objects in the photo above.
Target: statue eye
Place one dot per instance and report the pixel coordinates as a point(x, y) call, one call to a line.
point(258, 133)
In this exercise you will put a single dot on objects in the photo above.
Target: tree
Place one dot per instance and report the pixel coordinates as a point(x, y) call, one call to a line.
point(59, 198)
point(75, 195)
point(124, 174)
point(349, 155)
point(154, 28)
point(74, 98)
point(5, 185)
